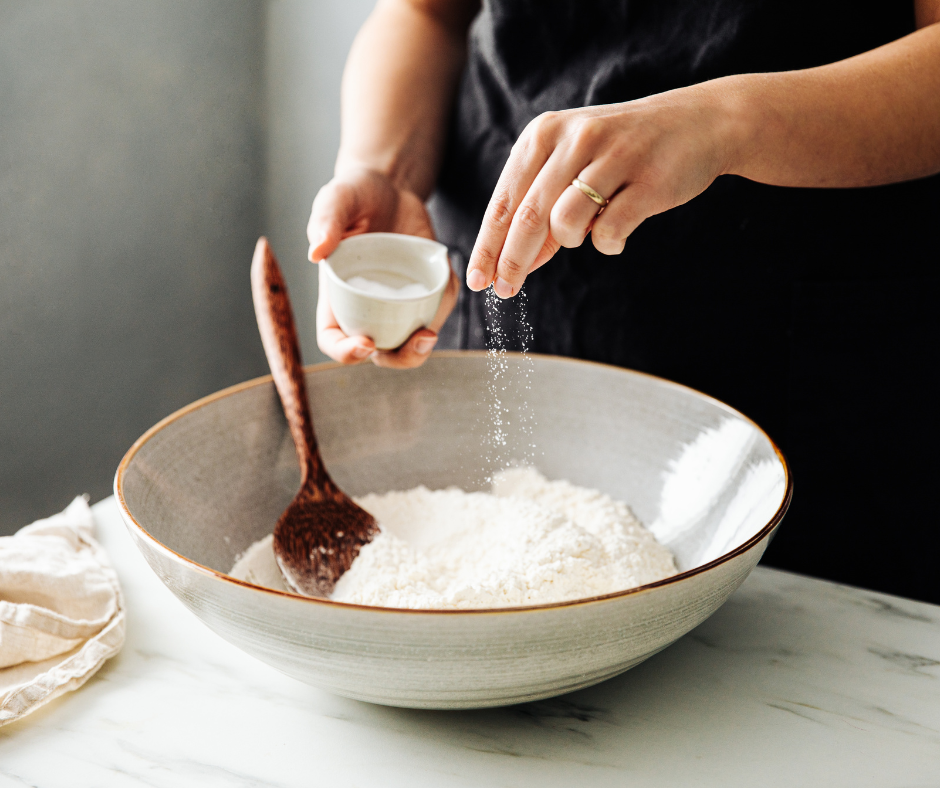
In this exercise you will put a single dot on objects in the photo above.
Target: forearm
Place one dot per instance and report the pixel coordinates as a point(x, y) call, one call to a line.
point(398, 87)
point(868, 120)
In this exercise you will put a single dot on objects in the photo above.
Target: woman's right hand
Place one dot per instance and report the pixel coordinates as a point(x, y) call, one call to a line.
point(360, 200)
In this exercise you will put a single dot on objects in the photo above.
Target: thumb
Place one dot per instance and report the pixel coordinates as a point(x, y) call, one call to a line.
point(334, 211)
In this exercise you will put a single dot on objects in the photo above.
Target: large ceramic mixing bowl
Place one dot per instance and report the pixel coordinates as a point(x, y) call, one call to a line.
point(208, 481)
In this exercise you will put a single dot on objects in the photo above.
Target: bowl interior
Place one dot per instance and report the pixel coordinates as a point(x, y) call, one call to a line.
point(391, 259)
point(213, 478)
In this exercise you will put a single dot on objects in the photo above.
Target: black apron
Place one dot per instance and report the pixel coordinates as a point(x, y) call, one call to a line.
point(815, 312)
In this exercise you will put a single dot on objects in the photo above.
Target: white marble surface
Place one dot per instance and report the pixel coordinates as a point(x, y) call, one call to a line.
point(793, 682)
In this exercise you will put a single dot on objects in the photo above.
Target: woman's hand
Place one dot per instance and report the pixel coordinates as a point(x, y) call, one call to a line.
point(358, 201)
point(870, 119)
point(644, 156)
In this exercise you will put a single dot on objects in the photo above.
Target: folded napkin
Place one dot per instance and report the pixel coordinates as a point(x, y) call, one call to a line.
point(61, 610)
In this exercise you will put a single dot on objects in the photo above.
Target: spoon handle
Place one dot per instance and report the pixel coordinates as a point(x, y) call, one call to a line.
point(279, 338)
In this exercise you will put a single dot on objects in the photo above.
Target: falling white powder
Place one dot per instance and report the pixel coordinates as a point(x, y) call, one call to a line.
point(530, 542)
point(507, 414)
point(412, 290)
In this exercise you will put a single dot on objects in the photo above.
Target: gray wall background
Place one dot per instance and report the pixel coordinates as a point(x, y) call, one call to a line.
point(143, 148)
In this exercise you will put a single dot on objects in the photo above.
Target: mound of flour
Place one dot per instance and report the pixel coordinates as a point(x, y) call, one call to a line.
point(530, 541)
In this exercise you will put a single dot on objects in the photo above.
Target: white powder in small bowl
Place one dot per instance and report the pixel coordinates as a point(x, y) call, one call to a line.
point(370, 286)
point(531, 541)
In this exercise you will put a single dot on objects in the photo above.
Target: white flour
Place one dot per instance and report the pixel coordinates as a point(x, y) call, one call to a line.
point(530, 542)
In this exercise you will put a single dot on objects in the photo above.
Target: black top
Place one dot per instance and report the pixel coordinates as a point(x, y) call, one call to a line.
point(815, 312)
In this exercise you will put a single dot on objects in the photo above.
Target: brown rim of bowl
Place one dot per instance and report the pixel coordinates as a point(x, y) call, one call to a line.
point(743, 548)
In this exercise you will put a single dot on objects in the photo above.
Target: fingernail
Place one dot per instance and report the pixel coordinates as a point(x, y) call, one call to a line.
point(361, 352)
point(503, 288)
point(425, 345)
point(476, 280)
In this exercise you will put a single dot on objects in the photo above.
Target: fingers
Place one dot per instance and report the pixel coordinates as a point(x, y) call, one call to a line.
point(412, 354)
point(535, 209)
point(506, 209)
point(529, 229)
point(339, 347)
point(621, 217)
point(574, 211)
point(546, 253)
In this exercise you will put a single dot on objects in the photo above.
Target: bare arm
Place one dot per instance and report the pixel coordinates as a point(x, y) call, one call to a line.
point(398, 88)
point(870, 119)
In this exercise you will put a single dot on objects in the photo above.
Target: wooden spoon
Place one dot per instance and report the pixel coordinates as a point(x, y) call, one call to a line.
point(321, 532)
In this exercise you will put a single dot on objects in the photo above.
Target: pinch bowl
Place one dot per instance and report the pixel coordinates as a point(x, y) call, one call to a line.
point(390, 259)
point(201, 486)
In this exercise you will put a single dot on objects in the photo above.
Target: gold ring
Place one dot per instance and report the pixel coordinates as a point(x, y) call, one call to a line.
point(601, 201)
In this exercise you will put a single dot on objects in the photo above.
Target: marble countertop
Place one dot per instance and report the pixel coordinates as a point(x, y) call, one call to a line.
point(793, 682)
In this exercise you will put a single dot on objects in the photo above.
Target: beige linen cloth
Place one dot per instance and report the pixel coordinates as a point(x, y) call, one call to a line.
point(61, 610)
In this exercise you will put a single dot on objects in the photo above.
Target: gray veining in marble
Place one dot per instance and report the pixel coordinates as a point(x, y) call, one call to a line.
point(794, 682)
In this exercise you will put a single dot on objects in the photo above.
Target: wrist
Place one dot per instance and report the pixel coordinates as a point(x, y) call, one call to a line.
point(384, 167)
point(747, 117)
point(350, 166)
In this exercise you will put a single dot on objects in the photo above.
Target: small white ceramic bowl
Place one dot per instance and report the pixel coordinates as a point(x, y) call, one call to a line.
point(393, 260)
point(201, 486)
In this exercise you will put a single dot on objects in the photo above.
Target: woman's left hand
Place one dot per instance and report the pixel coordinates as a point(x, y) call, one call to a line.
point(644, 156)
